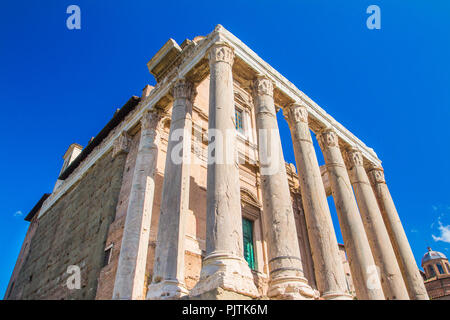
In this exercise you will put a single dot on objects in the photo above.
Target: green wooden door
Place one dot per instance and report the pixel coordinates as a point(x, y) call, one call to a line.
point(249, 255)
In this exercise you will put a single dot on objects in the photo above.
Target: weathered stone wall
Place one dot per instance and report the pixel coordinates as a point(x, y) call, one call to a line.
point(73, 232)
point(22, 257)
point(108, 273)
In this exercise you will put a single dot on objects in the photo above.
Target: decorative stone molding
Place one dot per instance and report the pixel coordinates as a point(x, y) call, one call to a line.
point(243, 99)
point(221, 52)
point(184, 89)
point(263, 86)
point(151, 119)
point(121, 144)
point(376, 175)
point(296, 112)
point(248, 197)
point(327, 138)
point(353, 157)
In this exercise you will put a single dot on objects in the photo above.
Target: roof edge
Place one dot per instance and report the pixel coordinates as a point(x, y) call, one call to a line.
point(116, 119)
point(36, 207)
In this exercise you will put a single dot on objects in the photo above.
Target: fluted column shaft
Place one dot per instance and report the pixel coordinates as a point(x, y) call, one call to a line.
point(410, 271)
point(328, 266)
point(168, 271)
point(286, 280)
point(130, 275)
point(383, 253)
point(224, 266)
point(367, 285)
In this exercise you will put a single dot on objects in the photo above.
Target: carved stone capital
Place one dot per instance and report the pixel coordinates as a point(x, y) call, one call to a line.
point(121, 144)
point(184, 89)
point(151, 119)
point(263, 86)
point(296, 112)
point(221, 52)
point(327, 138)
point(353, 157)
point(376, 175)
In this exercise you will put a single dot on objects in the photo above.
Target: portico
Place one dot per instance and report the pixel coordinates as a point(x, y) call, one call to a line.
point(369, 222)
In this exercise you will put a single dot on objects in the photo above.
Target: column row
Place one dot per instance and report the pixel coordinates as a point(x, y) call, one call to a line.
point(370, 245)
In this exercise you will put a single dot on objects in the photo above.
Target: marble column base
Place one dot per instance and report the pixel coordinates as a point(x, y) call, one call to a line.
point(225, 271)
point(337, 296)
point(218, 294)
point(166, 290)
point(291, 288)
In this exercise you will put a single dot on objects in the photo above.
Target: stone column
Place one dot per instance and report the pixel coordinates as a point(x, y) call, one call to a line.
point(305, 247)
point(225, 274)
point(405, 257)
point(367, 285)
point(286, 279)
point(383, 253)
point(330, 276)
point(168, 271)
point(130, 275)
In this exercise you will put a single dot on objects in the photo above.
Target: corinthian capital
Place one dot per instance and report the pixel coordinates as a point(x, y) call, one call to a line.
point(183, 89)
point(296, 112)
point(263, 86)
point(327, 138)
point(151, 119)
point(121, 144)
point(221, 52)
point(376, 175)
point(353, 157)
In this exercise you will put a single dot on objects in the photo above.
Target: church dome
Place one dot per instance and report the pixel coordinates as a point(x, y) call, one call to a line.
point(432, 255)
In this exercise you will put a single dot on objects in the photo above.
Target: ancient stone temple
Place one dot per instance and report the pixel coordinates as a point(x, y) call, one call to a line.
point(185, 193)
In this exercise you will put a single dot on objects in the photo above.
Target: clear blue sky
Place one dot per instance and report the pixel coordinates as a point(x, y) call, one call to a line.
point(390, 87)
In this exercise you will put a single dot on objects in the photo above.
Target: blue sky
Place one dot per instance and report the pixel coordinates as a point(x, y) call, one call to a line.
point(390, 87)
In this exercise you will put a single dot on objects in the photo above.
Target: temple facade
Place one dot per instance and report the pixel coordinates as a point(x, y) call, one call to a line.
point(185, 194)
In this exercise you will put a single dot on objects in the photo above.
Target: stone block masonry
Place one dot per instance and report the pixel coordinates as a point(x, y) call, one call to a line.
point(73, 232)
